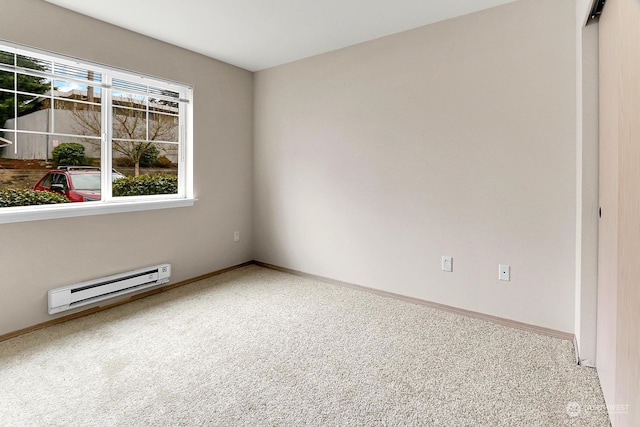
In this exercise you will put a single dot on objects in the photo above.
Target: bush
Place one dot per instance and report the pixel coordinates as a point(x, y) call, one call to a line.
point(68, 153)
point(22, 197)
point(145, 185)
point(164, 162)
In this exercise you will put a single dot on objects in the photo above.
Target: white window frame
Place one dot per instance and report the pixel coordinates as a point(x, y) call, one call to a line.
point(108, 203)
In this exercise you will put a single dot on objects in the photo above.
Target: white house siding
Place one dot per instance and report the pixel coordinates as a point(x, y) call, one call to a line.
point(39, 147)
point(34, 146)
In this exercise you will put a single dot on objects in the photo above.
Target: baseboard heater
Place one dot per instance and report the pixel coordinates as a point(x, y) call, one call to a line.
point(69, 297)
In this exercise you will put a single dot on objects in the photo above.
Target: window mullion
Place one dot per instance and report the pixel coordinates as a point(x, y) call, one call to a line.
point(147, 122)
point(107, 137)
point(185, 153)
point(52, 107)
point(15, 106)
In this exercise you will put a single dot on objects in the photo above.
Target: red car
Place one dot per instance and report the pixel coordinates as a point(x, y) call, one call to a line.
point(78, 183)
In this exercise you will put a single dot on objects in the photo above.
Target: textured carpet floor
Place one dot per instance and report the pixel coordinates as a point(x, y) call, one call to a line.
point(256, 347)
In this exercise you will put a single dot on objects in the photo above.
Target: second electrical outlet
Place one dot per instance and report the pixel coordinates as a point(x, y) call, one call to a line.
point(447, 263)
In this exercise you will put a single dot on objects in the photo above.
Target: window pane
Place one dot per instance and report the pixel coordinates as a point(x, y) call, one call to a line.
point(150, 168)
point(76, 73)
point(164, 92)
point(167, 157)
point(80, 161)
point(69, 151)
point(129, 124)
point(7, 110)
point(128, 86)
point(128, 99)
point(21, 171)
point(163, 127)
point(33, 63)
point(33, 113)
point(7, 57)
point(6, 80)
point(163, 106)
point(33, 84)
point(7, 140)
point(22, 151)
point(73, 90)
point(77, 118)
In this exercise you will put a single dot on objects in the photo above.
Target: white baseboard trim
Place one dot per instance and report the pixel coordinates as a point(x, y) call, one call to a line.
point(493, 319)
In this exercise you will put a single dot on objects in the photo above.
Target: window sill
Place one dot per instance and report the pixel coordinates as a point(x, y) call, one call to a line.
point(44, 212)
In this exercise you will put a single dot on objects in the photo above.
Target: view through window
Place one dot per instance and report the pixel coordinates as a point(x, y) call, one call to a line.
point(77, 132)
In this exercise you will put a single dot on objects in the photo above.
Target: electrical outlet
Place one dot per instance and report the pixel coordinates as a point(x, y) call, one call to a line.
point(236, 236)
point(447, 263)
point(504, 272)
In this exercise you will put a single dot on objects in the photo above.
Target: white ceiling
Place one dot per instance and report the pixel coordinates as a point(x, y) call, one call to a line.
point(258, 34)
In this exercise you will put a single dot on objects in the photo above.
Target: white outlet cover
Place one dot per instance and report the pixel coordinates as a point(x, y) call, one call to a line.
point(447, 264)
point(504, 272)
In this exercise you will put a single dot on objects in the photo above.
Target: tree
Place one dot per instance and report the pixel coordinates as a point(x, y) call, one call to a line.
point(133, 133)
point(26, 83)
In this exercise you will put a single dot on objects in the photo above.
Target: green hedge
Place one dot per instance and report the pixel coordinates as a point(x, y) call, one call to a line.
point(145, 185)
point(22, 197)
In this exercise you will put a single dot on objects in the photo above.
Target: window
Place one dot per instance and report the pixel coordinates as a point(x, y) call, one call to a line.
point(104, 139)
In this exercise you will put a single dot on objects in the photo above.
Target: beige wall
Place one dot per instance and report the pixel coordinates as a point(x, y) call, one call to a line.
point(449, 139)
point(37, 256)
point(456, 139)
point(618, 346)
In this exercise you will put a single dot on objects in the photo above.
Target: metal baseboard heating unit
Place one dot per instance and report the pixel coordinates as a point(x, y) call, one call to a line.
point(69, 297)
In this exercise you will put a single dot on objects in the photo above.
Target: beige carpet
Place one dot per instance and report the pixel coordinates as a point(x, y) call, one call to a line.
point(256, 347)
